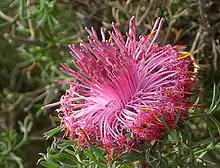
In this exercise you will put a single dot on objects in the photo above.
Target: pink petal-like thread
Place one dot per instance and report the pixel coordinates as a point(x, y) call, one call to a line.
point(124, 86)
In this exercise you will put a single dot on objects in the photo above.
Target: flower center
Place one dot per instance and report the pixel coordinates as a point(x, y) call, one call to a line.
point(113, 105)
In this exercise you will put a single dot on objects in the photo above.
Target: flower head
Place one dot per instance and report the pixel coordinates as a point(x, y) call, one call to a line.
point(123, 88)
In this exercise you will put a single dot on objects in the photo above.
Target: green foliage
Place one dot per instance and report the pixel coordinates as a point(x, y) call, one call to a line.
point(11, 143)
point(33, 42)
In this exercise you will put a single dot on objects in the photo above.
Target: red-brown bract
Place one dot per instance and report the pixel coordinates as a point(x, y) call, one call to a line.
point(124, 87)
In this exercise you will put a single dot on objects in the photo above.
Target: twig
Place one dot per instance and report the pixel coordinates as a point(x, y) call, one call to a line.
point(168, 7)
point(179, 14)
point(8, 19)
point(215, 55)
point(200, 48)
point(127, 4)
point(30, 25)
point(145, 13)
point(201, 13)
point(195, 42)
point(5, 17)
point(137, 12)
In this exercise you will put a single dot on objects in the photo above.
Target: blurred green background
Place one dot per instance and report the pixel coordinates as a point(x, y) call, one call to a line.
point(33, 42)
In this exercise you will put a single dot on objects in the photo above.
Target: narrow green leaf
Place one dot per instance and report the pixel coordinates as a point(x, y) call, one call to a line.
point(52, 132)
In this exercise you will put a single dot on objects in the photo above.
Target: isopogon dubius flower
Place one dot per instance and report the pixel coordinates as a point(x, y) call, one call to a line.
point(124, 88)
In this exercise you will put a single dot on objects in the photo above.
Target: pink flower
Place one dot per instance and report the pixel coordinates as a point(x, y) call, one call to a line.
point(123, 88)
